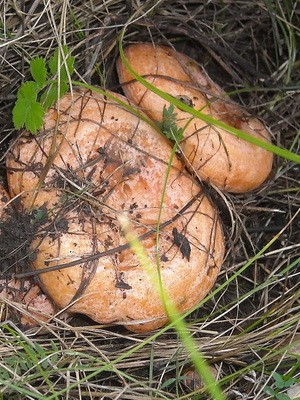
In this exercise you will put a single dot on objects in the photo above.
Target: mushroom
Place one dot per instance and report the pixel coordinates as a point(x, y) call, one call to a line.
point(20, 294)
point(93, 163)
point(209, 151)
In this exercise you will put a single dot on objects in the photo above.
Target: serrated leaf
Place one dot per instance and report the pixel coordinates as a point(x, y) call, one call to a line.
point(29, 114)
point(19, 112)
point(38, 71)
point(28, 90)
point(65, 66)
point(50, 96)
point(34, 117)
point(169, 114)
point(168, 126)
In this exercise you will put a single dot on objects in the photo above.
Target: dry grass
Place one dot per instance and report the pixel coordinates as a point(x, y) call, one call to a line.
point(250, 328)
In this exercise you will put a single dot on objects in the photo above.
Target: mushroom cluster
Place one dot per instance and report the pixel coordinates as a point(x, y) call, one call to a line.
point(93, 163)
point(96, 163)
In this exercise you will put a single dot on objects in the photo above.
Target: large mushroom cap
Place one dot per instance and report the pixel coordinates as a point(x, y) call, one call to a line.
point(103, 162)
point(214, 154)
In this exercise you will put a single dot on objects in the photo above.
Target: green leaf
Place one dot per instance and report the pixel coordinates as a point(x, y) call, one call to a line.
point(282, 396)
point(50, 96)
point(28, 90)
point(289, 382)
point(169, 113)
point(167, 383)
point(279, 381)
point(53, 62)
point(269, 390)
point(168, 126)
point(19, 112)
point(28, 111)
point(28, 114)
point(59, 65)
point(38, 71)
point(34, 117)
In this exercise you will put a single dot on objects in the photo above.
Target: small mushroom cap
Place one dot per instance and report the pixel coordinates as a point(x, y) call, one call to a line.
point(111, 164)
point(211, 152)
point(30, 305)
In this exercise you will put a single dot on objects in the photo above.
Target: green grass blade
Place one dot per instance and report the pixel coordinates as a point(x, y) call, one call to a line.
point(209, 120)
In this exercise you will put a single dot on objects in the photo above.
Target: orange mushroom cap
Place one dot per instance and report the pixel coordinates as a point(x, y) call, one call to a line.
point(210, 152)
point(101, 163)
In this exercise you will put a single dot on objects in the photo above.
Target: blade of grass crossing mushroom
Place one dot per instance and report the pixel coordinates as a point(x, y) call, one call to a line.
point(209, 120)
point(178, 322)
point(171, 310)
point(151, 338)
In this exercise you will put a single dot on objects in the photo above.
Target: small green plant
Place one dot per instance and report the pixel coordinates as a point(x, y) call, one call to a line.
point(169, 127)
point(281, 382)
point(50, 81)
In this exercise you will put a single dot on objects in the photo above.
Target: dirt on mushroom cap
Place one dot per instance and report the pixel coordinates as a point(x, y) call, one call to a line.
point(212, 153)
point(103, 162)
point(26, 303)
